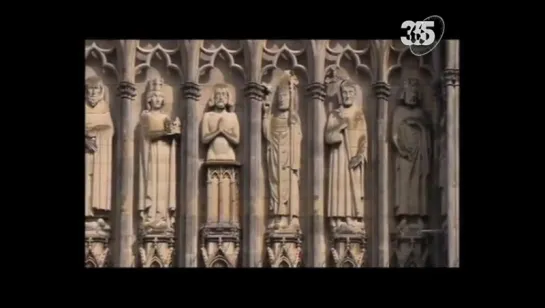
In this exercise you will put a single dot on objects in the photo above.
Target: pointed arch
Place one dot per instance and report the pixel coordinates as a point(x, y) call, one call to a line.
point(164, 56)
point(100, 54)
point(284, 263)
point(91, 263)
point(155, 264)
point(347, 263)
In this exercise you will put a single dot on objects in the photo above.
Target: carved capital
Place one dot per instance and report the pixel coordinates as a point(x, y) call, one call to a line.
point(255, 90)
point(451, 77)
point(191, 90)
point(382, 90)
point(126, 90)
point(317, 91)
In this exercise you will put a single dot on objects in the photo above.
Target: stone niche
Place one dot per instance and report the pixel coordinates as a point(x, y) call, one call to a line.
point(157, 130)
point(101, 114)
point(414, 211)
point(285, 223)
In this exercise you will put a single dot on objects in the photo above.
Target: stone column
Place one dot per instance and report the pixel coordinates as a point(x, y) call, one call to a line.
point(451, 76)
point(190, 170)
point(316, 89)
point(127, 93)
point(317, 94)
point(254, 93)
point(382, 93)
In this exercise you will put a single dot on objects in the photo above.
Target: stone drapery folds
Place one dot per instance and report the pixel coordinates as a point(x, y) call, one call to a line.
point(270, 153)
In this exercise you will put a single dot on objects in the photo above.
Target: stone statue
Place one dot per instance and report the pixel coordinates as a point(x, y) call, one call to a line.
point(346, 134)
point(220, 127)
point(157, 201)
point(283, 135)
point(99, 131)
point(412, 143)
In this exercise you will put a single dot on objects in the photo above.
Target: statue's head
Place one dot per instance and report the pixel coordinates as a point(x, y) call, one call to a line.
point(222, 97)
point(283, 96)
point(349, 93)
point(155, 99)
point(94, 90)
point(411, 94)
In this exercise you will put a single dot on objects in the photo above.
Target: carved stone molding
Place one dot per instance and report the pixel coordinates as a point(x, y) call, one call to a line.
point(284, 248)
point(411, 244)
point(191, 90)
point(220, 236)
point(220, 244)
point(317, 91)
point(381, 89)
point(349, 248)
point(255, 90)
point(451, 77)
point(126, 90)
point(97, 238)
point(157, 250)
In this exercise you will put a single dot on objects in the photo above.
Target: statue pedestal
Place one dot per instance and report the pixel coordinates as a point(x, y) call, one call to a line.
point(156, 247)
point(220, 236)
point(410, 243)
point(97, 238)
point(349, 247)
point(284, 248)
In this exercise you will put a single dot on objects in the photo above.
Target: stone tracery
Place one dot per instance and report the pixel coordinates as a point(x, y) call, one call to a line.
point(265, 188)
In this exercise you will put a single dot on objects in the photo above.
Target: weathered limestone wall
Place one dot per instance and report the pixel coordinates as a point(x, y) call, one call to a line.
point(234, 153)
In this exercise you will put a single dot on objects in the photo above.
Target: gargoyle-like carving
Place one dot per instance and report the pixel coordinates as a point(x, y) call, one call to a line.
point(158, 156)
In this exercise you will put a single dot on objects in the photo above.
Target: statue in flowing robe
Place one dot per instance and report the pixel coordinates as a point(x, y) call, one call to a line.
point(346, 135)
point(157, 202)
point(412, 143)
point(99, 131)
point(283, 135)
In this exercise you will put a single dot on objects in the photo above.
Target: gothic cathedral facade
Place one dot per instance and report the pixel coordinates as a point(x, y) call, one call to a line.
point(271, 153)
